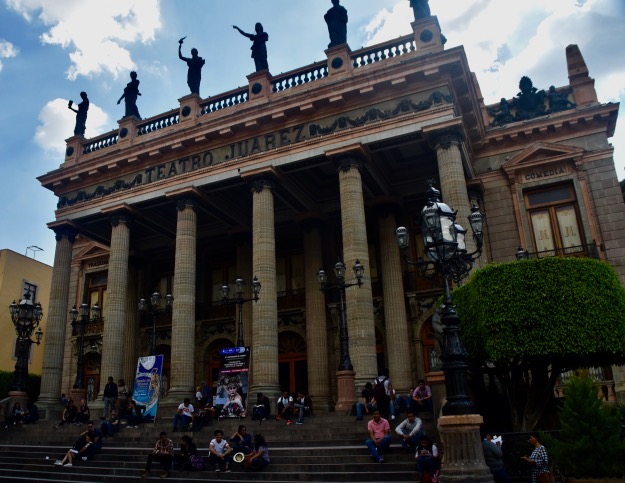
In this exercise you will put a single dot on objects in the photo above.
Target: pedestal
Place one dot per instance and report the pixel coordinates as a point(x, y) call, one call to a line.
point(462, 447)
point(20, 397)
point(76, 395)
point(346, 390)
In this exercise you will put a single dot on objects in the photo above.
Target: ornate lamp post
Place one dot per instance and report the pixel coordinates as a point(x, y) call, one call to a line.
point(447, 255)
point(84, 320)
point(26, 317)
point(155, 308)
point(345, 374)
point(240, 300)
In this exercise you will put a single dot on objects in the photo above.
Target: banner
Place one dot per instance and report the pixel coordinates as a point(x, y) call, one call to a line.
point(233, 378)
point(148, 383)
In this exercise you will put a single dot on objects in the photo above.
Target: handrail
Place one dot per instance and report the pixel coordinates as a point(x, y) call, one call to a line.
point(385, 50)
point(302, 75)
point(103, 141)
point(159, 121)
point(231, 98)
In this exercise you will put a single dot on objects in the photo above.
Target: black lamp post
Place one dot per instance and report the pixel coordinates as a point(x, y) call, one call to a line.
point(240, 300)
point(84, 320)
point(447, 255)
point(340, 285)
point(26, 317)
point(155, 308)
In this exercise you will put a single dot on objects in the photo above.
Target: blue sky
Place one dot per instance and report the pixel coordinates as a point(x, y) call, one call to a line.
point(50, 50)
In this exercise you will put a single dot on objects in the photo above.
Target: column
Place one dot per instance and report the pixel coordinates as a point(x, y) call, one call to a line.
point(397, 334)
point(264, 351)
point(183, 317)
point(58, 318)
point(447, 144)
point(132, 327)
point(358, 300)
point(316, 324)
point(114, 334)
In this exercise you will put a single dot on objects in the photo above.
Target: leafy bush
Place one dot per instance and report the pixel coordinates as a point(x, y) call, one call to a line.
point(589, 443)
point(32, 387)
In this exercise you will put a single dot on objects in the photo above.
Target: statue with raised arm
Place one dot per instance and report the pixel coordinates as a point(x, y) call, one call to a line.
point(259, 46)
point(195, 63)
point(81, 114)
point(336, 18)
point(421, 9)
point(131, 91)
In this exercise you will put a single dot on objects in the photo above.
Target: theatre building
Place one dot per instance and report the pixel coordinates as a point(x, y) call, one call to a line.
point(294, 172)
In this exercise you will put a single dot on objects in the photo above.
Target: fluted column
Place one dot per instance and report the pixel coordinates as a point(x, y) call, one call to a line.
point(264, 352)
point(58, 318)
point(397, 334)
point(132, 327)
point(183, 318)
point(447, 143)
point(113, 338)
point(316, 325)
point(359, 300)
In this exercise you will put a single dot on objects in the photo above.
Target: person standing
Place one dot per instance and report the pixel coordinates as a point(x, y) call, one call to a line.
point(259, 46)
point(195, 63)
point(81, 114)
point(493, 456)
point(110, 396)
point(383, 394)
point(379, 439)
point(336, 18)
point(410, 432)
point(164, 453)
point(538, 460)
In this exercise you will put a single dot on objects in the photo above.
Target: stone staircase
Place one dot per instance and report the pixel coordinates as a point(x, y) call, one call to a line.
point(328, 447)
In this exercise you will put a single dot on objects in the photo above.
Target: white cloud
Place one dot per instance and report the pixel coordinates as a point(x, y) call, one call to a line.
point(57, 124)
point(7, 50)
point(97, 31)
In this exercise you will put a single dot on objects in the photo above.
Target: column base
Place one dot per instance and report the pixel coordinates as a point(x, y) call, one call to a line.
point(346, 390)
point(464, 457)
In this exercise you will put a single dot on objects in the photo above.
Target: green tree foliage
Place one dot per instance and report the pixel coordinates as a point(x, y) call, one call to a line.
point(534, 319)
point(32, 386)
point(589, 444)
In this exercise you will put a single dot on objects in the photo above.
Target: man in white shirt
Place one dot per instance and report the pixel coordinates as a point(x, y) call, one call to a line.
point(285, 407)
point(410, 432)
point(184, 415)
point(219, 452)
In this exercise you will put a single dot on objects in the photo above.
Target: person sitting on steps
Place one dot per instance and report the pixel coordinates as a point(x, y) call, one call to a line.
point(285, 407)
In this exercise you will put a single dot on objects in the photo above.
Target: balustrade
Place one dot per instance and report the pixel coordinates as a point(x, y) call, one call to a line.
point(100, 142)
point(386, 50)
point(229, 99)
point(159, 122)
point(297, 77)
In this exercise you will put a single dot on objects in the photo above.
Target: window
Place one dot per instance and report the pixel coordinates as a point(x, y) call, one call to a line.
point(31, 289)
point(554, 221)
point(96, 288)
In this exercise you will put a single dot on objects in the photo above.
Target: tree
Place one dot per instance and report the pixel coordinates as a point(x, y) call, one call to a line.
point(589, 443)
point(534, 319)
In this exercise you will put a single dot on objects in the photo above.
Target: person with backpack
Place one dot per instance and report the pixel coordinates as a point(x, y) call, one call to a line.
point(382, 390)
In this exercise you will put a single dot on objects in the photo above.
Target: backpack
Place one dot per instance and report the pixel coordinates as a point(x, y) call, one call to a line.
point(197, 462)
point(378, 392)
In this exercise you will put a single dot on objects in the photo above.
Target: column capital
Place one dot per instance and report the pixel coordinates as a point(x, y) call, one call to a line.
point(183, 203)
point(121, 217)
point(262, 182)
point(349, 160)
point(67, 231)
point(444, 138)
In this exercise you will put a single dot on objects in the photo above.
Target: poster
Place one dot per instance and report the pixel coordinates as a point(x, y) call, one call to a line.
point(147, 384)
point(232, 386)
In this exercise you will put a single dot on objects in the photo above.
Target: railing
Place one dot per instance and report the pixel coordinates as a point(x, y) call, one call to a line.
point(386, 50)
point(585, 251)
point(160, 122)
point(103, 141)
point(298, 77)
point(229, 99)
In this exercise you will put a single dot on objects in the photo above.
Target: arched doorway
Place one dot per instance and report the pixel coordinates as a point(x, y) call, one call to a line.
point(293, 367)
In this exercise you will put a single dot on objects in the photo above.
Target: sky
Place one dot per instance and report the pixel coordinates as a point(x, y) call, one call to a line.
point(51, 50)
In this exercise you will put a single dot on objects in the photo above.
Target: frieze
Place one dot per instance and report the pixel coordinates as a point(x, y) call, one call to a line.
point(259, 144)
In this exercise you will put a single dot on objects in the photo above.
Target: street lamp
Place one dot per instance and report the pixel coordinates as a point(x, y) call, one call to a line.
point(240, 300)
point(26, 317)
point(340, 285)
point(155, 308)
point(84, 320)
point(445, 248)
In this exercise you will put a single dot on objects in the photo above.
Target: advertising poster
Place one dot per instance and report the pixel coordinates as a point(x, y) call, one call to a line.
point(147, 384)
point(232, 386)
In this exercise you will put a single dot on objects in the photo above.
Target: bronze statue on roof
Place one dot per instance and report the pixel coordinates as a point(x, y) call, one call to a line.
point(336, 18)
point(259, 46)
point(195, 63)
